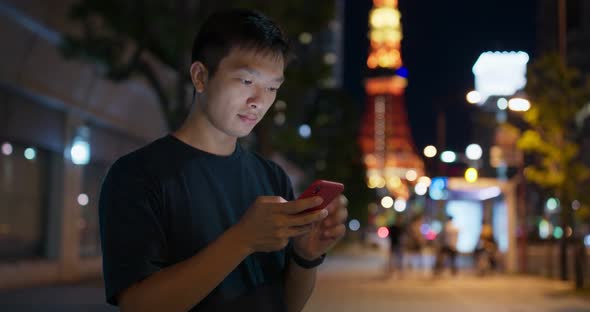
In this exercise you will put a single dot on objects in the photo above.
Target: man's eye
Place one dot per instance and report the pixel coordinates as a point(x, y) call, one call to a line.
point(272, 89)
point(246, 81)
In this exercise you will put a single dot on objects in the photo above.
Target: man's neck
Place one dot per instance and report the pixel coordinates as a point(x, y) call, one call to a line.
point(199, 133)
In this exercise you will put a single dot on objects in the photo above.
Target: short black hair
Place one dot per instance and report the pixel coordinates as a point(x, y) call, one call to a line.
point(237, 28)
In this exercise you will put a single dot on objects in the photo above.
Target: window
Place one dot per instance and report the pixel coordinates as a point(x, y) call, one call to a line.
point(94, 174)
point(23, 201)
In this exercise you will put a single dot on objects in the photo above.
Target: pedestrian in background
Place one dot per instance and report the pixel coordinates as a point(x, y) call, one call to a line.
point(396, 233)
point(448, 248)
point(415, 242)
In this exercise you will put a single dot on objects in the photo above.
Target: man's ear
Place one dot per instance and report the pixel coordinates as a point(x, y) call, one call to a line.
point(199, 76)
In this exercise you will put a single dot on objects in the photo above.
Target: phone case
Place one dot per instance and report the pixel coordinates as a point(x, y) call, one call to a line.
point(328, 190)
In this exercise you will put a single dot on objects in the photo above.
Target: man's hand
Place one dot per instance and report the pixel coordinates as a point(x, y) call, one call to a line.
point(325, 234)
point(271, 221)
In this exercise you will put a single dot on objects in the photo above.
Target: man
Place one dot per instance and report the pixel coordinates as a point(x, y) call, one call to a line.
point(450, 236)
point(194, 222)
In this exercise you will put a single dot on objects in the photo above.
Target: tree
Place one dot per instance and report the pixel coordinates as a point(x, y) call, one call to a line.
point(556, 94)
point(132, 38)
point(330, 152)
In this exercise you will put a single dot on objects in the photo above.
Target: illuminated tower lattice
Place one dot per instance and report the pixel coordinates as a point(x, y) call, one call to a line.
point(389, 152)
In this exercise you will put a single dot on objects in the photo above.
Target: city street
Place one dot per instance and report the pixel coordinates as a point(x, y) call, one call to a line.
point(353, 280)
point(356, 283)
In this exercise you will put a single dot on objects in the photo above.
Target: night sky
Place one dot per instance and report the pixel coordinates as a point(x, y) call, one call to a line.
point(442, 40)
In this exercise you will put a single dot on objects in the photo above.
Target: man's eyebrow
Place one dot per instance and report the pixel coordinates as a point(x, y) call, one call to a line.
point(257, 73)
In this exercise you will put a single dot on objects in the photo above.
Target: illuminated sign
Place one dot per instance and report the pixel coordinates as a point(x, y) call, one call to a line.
point(500, 73)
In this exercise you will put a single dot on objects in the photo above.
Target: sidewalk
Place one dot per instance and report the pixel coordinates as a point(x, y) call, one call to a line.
point(352, 280)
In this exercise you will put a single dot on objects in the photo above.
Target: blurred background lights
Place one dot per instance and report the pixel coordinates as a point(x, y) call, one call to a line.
point(411, 175)
point(473, 151)
point(383, 232)
point(558, 232)
point(438, 187)
point(305, 38)
point(471, 175)
point(448, 156)
point(436, 226)
point(387, 202)
point(519, 105)
point(425, 180)
point(394, 182)
point(424, 228)
point(280, 105)
point(400, 205)
point(587, 240)
point(552, 203)
point(30, 153)
point(544, 229)
point(7, 149)
point(83, 199)
point(576, 205)
point(430, 151)
point(80, 151)
point(304, 131)
point(354, 225)
point(502, 103)
point(330, 58)
point(279, 119)
point(420, 189)
point(473, 97)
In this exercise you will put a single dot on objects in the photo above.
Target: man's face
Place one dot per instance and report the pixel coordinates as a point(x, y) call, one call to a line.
point(241, 91)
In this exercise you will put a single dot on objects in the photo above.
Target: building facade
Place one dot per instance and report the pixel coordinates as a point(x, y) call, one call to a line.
point(48, 204)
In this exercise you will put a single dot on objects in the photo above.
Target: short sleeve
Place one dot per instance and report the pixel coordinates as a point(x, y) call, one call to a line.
point(132, 236)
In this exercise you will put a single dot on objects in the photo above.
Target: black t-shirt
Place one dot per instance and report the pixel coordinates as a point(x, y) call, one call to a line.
point(166, 201)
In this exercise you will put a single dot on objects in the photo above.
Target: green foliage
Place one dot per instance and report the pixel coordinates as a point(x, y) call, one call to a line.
point(123, 37)
point(556, 94)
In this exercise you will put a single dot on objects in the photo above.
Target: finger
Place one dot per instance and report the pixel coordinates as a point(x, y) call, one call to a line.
point(336, 218)
point(300, 230)
point(300, 205)
point(270, 199)
point(307, 218)
point(334, 232)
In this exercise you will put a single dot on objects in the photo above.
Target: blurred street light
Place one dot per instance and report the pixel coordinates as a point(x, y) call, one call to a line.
point(80, 151)
point(383, 232)
point(411, 175)
point(473, 97)
point(305, 38)
point(473, 151)
point(420, 189)
point(387, 202)
point(430, 151)
point(471, 175)
point(400, 205)
point(425, 180)
point(354, 225)
point(448, 156)
point(552, 204)
point(502, 104)
point(30, 153)
point(305, 131)
point(519, 104)
point(7, 149)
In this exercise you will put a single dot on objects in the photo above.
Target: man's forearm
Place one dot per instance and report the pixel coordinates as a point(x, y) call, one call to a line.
point(183, 285)
point(299, 284)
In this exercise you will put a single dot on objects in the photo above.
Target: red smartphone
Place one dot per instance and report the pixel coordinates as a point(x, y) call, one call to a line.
point(328, 190)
